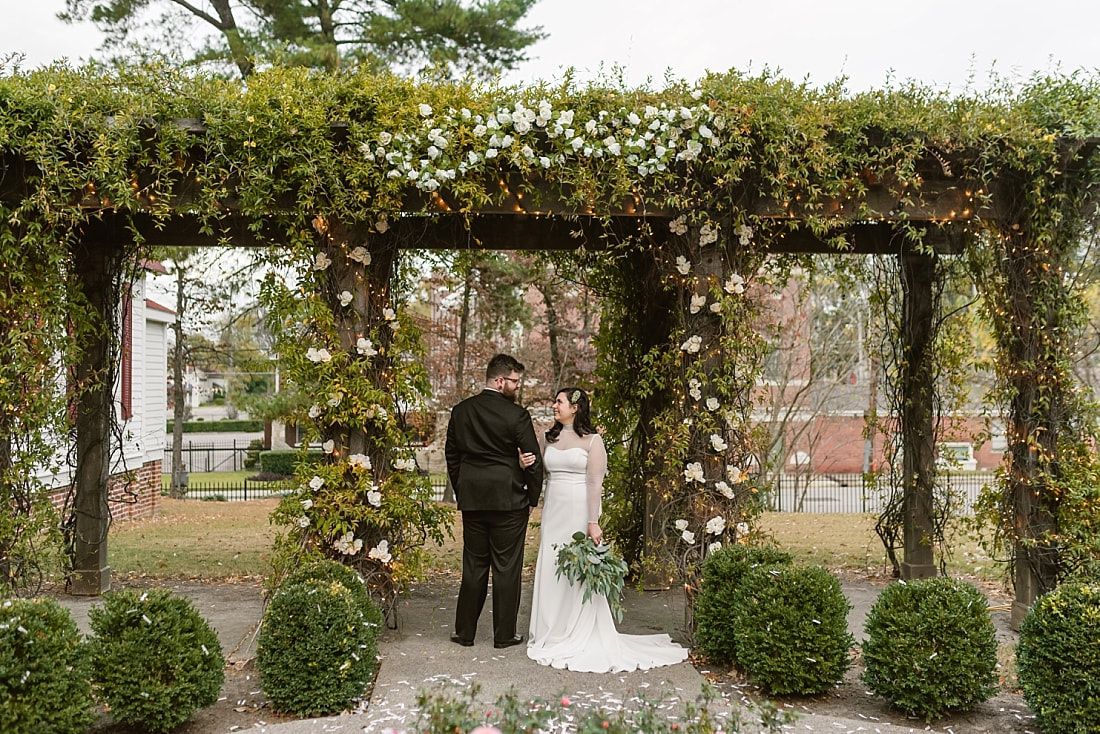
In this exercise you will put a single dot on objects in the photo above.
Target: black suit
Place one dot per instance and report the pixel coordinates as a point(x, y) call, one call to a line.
point(495, 497)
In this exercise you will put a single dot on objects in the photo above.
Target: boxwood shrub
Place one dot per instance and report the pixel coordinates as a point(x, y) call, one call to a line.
point(283, 461)
point(317, 650)
point(328, 570)
point(155, 660)
point(44, 670)
point(931, 647)
point(1058, 659)
point(792, 629)
point(715, 635)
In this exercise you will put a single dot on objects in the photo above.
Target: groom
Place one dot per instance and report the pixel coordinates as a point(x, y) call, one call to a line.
point(485, 437)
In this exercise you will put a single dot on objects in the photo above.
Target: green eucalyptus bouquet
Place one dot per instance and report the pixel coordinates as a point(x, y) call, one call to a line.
point(598, 568)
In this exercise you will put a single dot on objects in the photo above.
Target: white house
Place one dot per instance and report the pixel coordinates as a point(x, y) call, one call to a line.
point(141, 406)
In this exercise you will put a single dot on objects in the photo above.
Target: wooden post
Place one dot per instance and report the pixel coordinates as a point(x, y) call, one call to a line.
point(917, 419)
point(96, 264)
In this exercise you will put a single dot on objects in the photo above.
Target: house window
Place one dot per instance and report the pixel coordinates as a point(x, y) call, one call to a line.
point(958, 456)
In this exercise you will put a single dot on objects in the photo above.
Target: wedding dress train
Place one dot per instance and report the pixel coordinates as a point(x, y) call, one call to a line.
point(564, 632)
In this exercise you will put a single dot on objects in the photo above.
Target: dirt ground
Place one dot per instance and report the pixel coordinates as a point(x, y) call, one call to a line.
point(242, 705)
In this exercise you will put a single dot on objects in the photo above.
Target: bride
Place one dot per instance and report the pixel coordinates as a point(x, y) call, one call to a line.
point(566, 633)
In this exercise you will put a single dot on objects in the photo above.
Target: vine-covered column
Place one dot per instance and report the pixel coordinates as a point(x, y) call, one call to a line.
point(350, 357)
point(96, 265)
point(702, 496)
point(918, 272)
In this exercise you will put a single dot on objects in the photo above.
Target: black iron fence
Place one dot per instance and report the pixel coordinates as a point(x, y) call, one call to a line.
point(241, 491)
point(205, 455)
point(847, 493)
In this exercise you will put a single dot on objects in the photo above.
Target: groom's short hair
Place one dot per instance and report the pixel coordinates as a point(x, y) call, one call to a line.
point(502, 365)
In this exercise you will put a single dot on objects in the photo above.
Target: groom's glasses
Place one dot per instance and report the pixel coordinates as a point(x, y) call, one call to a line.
point(514, 380)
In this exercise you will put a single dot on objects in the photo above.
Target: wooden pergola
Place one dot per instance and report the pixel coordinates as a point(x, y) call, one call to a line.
point(873, 223)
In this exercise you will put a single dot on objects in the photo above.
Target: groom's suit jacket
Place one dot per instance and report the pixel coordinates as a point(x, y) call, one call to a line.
point(482, 461)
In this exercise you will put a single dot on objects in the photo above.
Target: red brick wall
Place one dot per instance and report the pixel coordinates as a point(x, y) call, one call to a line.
point(140, 497)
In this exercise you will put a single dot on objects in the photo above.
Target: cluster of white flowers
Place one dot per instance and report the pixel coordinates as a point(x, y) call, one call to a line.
point(683, 265)
point(678, 226)
point(365, 347)
point(318, 355)
point(374, 497)
point(359, 461)
point(391, 318)
point(708, 234)
point(348, 544)
point(725, 489)
point(405, 464)
point(694, 472)
point(744, 234)
point(692, 345)
point(735, 285)
point(736, 474)
point(361, 255)
point(695, 388)
point(698, 300)
point(381, 552)
point(648, 140)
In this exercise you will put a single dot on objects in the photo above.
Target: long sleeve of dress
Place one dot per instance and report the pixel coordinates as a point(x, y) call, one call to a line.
point(594, 474)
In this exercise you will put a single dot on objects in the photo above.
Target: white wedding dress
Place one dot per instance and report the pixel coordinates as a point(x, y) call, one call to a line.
point(564, 632)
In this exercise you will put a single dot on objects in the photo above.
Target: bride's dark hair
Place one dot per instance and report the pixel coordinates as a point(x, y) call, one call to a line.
point(582, 421)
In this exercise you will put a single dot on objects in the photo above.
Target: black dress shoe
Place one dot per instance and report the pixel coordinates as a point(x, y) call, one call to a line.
point(459, 641)
point(517, 640)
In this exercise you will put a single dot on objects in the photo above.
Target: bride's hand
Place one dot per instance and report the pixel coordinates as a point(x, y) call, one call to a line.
point(525, 460)
point(595, 532)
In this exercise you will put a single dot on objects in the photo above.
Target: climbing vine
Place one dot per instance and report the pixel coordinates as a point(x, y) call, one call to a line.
point(336, 175)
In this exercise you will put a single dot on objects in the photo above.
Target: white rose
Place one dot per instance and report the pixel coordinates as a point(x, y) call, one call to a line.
point(725, 489)
point(316, 483)
point(329, 446)
point(688, 536)
point(425, 110)
point(303, 522)
point(683, 265)
point(716, 525)
point(681, 525)
point(697, 302)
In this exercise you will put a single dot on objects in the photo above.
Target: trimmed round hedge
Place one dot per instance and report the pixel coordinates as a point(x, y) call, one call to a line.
point(792, 629)
point(155, 660)
point(931, 647)
point(715, 633)
point(1058, 659)
point(317, 649)
point(44, 670)
point(327, 570)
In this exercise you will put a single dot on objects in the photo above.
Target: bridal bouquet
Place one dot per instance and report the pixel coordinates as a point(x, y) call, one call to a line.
point(599, 570)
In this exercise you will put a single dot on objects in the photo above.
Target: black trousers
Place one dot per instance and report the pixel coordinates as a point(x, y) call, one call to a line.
point(491, 539)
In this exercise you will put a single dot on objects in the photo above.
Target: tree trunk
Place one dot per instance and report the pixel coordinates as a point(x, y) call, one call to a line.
point(463, 334)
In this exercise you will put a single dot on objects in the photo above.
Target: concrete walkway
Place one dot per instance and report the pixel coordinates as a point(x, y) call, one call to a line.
point(419, 656)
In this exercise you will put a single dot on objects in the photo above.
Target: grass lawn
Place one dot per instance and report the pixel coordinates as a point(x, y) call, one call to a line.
point(217, 540)
point(195, 539)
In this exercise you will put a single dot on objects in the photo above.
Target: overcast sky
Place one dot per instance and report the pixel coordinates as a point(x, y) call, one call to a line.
point(942, 43)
